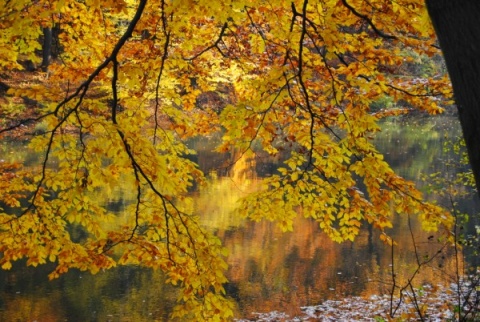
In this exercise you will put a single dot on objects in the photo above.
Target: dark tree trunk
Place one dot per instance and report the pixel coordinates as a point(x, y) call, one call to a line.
point(46, 48)
point(457, 24)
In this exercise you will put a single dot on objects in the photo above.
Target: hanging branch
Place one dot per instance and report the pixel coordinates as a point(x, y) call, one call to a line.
point(368, 21)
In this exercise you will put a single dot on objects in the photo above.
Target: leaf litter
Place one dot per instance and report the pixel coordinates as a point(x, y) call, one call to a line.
point(438, 303)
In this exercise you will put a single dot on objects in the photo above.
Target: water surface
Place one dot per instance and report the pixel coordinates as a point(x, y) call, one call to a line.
point(269, 270)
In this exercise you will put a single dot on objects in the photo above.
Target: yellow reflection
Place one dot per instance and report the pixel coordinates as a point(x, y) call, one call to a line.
point(269, 270)
point(275, 271)
point(216, 202)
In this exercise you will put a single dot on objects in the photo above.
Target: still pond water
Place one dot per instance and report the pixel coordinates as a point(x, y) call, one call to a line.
point(269, 270)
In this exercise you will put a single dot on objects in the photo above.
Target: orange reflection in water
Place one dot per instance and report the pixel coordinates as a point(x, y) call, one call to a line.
point(275, 271)
point(269, 270)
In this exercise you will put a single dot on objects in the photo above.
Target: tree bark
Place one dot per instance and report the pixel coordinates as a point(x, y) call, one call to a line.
point(457, 24)
point(46, 48)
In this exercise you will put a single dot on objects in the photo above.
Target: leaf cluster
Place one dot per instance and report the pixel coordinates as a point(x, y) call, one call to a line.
point(126, 92)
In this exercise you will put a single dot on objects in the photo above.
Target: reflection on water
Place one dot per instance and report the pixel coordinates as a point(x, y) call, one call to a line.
point(123, 294)
point(269, 270)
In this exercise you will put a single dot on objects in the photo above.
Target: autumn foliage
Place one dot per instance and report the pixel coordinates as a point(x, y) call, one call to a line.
point(130, 85)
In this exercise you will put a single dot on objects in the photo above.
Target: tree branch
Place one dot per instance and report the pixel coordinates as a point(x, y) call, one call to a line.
point(368, 20)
